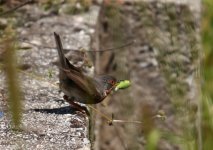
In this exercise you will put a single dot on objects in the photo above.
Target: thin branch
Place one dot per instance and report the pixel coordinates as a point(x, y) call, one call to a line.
point(17, 7)
point(111, 120)
point(37, 45)
point(115, 48)
point(126, 121)
point(103, 50)
point(100, 113)
point(123, 143)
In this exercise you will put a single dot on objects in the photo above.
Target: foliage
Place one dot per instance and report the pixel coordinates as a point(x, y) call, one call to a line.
point(11, 74)
point(153, 140)
point(207, 74)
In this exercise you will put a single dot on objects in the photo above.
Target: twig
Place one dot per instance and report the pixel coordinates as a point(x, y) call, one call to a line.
point(126, 121)
point(120, 138)
point(115, 48)
point(103, 50)
point(37, 45)
point(100, 113)
point(17, 7)
point(111, 120)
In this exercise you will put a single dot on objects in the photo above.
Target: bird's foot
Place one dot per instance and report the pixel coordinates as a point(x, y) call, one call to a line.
point(80, 108)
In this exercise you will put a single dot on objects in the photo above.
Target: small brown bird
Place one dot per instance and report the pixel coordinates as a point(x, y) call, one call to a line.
point(79, 87)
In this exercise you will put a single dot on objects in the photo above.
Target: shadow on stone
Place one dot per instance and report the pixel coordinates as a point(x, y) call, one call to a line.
point(61, 110)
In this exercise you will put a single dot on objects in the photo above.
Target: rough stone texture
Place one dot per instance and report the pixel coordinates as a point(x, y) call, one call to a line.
point(48, 122)
point(162, 67)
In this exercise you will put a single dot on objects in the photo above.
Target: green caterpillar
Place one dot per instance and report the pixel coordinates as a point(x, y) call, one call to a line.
point(123, 85)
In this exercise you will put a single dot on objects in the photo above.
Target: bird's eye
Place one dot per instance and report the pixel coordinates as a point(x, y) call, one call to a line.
point(111, 82)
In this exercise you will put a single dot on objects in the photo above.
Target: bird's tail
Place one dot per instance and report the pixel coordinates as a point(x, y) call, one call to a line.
point(62, 59)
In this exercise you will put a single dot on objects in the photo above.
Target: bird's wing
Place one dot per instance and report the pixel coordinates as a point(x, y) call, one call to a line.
point(84, 82)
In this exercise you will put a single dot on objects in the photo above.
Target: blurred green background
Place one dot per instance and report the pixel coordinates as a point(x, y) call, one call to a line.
point(207, 75)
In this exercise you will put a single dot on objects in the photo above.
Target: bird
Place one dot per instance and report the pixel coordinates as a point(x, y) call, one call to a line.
point(78, 86)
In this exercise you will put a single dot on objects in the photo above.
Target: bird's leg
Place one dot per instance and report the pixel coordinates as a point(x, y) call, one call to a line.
point(80, 108)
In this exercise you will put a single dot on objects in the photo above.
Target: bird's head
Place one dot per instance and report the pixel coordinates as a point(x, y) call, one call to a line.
point(107, 83)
